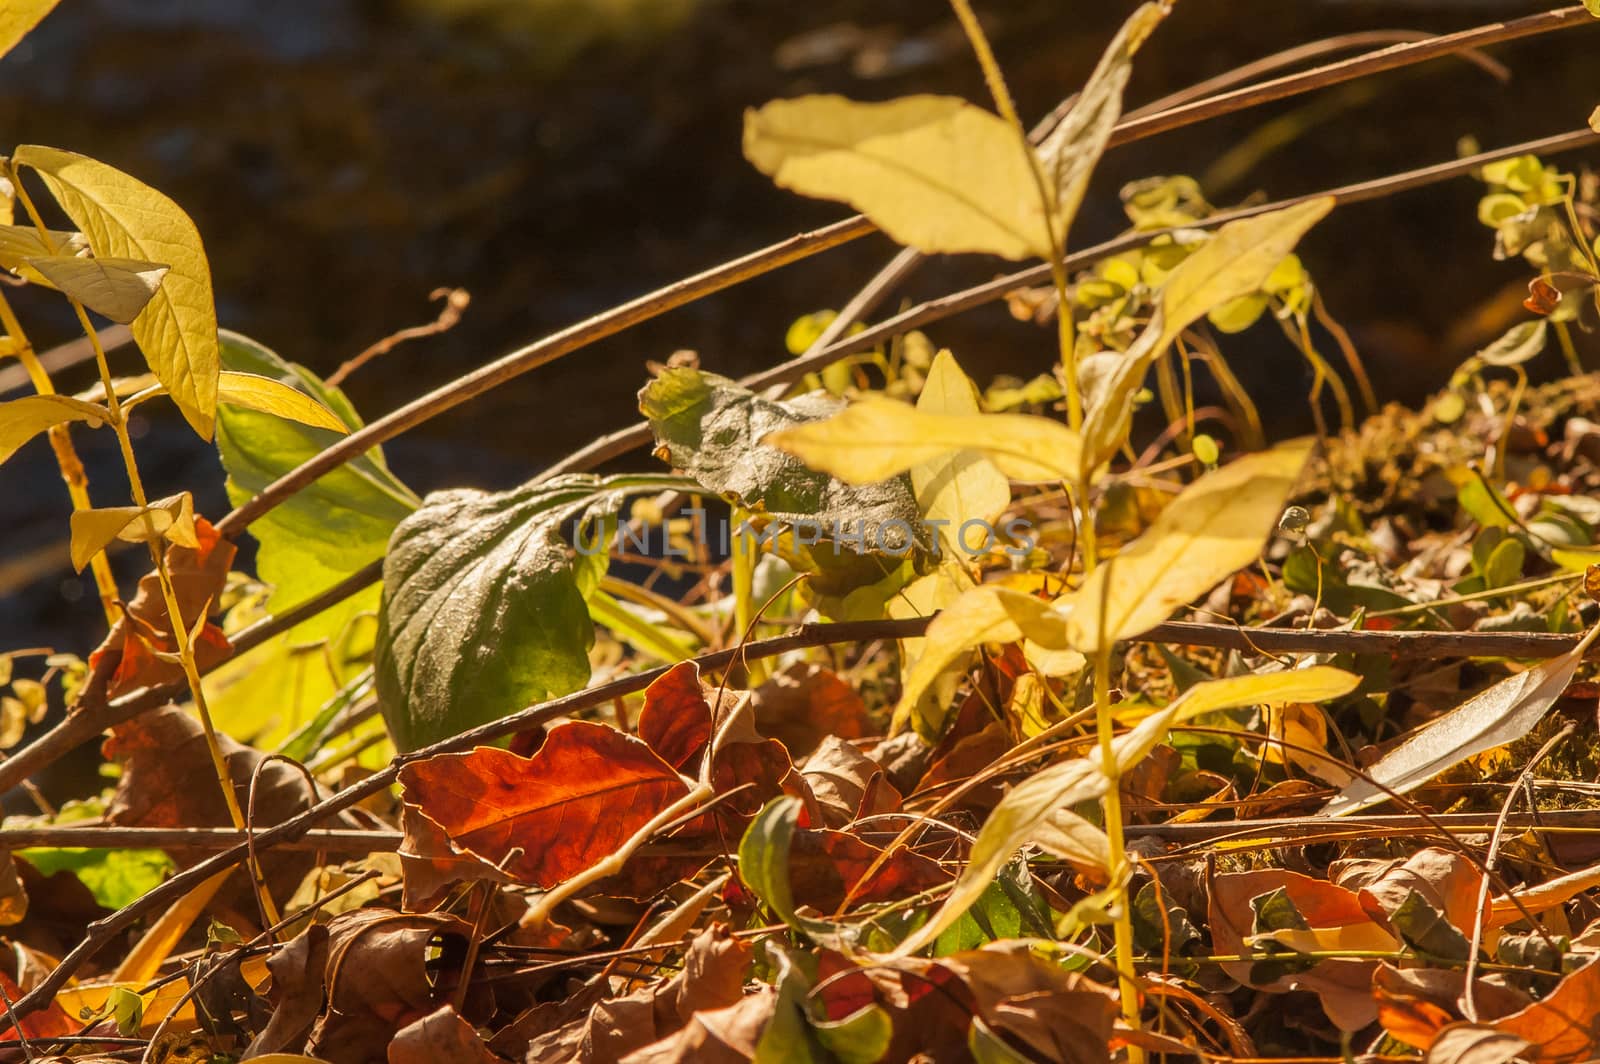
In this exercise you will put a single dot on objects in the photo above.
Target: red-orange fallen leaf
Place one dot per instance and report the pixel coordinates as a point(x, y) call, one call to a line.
point(826, 865)
point(676, 718)
point(48, 1022)
point(805, 704)
point(1564, 1028)
point(545, 818)
point(1445, 879)
point(1415, 1004)
point(126, 659)
point(1336, 917)
point(429, 865)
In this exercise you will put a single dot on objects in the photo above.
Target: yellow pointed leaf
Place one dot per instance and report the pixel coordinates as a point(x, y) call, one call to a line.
point(115, 288)
point(963, 485)
point(933, 172)
point(1316, 683)
point(123, 218)
point(1031, 812)
point(1074, 147)
point(17, 19)
point(922, 597)
point(1234, 263)
point(1214, 528)
point(23, 419)
point(878, 438)
point(274, 397)
point(171, 518)
point(981, 615)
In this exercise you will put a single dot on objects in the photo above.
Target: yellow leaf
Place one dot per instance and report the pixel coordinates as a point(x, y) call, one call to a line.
point(123, 218)
point(1317, 683)
point(878, 438)
point(17, 19)
point(23, 419)
point(115, 288)
point(1292, 730)
point(982, 615)
point(1032, 810)
point(171, 518)
point(1072, 149)
point(274, 397)
point(923, 596)
point(1594, 120)
point(1234, 263)
point(933, 172)
point(19, 243)
point(1214, 528)
point(963, 485)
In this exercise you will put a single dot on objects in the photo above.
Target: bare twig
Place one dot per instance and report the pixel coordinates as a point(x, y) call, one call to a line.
point(770, 258)
point(455, 302)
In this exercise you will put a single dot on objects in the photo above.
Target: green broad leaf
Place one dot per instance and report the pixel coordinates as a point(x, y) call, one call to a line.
point(123, 218)
point(23, 419)
point(115, 877)
point(1237, 261)
point(323, 534)
point(933, 172)
point(484, 605)
point(115, 288)
point(764, 867)
point(1010, 907)
point(712, 429)
point(863, 1037)
point(344, 519)
point(18, 18)
point(1520, 343)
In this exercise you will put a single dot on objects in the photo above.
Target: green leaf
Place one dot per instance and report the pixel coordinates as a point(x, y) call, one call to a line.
point(1235, 262)
point(933, 172)
point(344, 519)
point(18, 18)
point(115, 288)
point(713, 429)
point(123, 218)
point(764, 867)
point(23, 419)
point(484, 604)
point(1424, 927)
point(1520, 343)
point(787, 1036)
point(315, 539)
point(863, 1037)
point(115, 877)
point(1215, 527)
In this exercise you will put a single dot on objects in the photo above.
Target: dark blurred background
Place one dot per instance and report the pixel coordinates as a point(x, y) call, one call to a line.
point(342, 158)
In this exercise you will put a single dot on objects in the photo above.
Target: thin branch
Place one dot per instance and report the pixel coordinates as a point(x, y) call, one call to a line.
point(1391, 58)
point(455, 303)
point(792, 250)
point(100, 836)
point(624, 440)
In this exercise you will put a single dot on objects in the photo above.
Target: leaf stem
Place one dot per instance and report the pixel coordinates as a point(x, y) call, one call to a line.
point(72, 473)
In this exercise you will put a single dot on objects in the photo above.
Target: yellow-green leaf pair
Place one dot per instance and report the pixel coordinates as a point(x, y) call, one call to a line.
point(130, 227)
point(171, 518)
